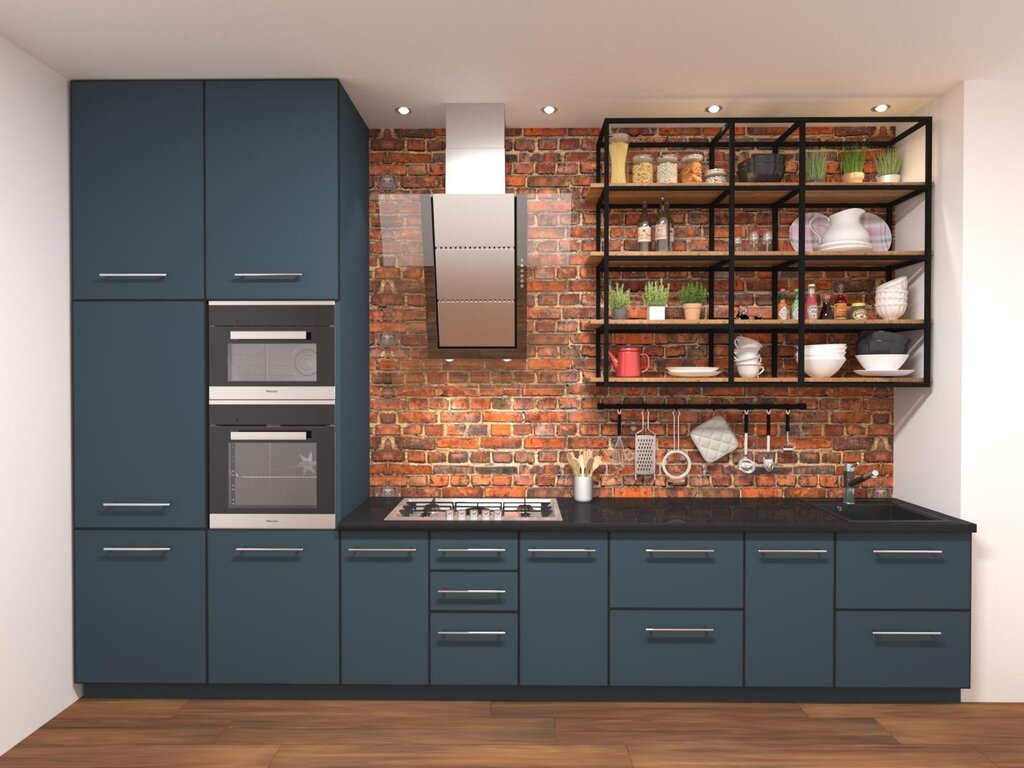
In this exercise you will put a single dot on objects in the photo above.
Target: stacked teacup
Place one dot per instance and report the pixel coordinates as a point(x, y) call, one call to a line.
point(891, 299)
point(747, 357)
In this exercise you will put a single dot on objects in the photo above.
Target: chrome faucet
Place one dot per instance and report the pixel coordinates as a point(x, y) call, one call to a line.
point(851, 481)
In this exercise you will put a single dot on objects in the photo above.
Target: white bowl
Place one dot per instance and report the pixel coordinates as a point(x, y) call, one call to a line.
point(891, 312)
point(823, 368)
point(891, 296)
point(899, 282)
point(812, 348)
point(882, 362)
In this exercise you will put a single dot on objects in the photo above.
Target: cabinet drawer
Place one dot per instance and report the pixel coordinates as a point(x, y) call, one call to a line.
point(903, 649)
point(903, 571)
point(473, 648)
point(474, 552)
point(140, 607)
point(472, 591)
point(694, 571)
point(701, 648)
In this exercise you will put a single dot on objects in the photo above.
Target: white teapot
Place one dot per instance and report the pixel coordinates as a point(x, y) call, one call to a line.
point(844, 230)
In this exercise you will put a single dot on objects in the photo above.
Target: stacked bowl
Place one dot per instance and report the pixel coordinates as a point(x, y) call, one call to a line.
point(747, 357)
point(823, 361)
point(891, 299)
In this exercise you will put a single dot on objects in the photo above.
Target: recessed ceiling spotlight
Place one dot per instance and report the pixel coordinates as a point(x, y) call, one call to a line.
point(713, 109)
point(881, 108)
point(550, 109)
point(403, 111)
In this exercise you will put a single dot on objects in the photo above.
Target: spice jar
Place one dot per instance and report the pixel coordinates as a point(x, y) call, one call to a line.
point(858, 311)
point(716, 176)
point(643, 169)
point(692, 170)
point(618, 147)
point(668, 168)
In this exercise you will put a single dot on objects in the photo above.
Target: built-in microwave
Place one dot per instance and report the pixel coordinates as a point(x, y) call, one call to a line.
point(271, 466)
point(271, 351)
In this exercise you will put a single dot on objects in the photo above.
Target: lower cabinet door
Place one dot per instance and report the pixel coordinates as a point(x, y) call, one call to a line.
point(473, 648)
point(789, 609)
point(694, 648)
point(140, 607)
point(273, 603)
point(903, 649)
point(563, 609)
point(384, 609)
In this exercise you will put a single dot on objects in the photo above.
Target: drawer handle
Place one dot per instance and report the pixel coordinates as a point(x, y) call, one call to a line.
point(270, 436)
point(906, 551)
point(383, 550)
point(679, 629)
point(580, 551)
point(132, 275)
point(679, 551)
point(471, 633)
point(270, 549)
point(472, 550)
point(268, 275)
point(136, 549)
point(136, 504)
point(792, 551)
point(887, 633)
point(471, 591)
point(268, 335)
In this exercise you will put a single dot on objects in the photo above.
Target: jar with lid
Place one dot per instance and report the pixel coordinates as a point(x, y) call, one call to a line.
point(618, 148)
point(668, 168)
point(643, 169)
point(716, 176)
point(692, 169)
point(858, 311)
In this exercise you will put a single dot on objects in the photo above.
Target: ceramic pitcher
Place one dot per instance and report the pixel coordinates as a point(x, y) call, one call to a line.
point(844, 226)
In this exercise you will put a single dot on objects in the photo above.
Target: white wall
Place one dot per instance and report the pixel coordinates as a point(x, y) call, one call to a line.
point(35, 398)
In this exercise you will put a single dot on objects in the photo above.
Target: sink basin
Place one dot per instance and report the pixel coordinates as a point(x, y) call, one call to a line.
point(874, 511)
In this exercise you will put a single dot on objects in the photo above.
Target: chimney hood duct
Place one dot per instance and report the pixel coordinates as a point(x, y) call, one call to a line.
point(474, 244)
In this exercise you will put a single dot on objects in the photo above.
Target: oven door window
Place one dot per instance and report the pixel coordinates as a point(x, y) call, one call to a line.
point(272, 473)
point(271, 361)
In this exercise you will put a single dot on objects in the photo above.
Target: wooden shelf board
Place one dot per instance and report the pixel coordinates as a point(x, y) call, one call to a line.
point(864, 194)
point(722, 378)
point(754, 193)
point(696, 325)
point(767, 259)
point(866, 380)
point(751, 326)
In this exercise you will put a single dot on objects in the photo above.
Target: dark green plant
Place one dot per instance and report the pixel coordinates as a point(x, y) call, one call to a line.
point(888, 161)
point(817, 164)
point(852, 157)
point(656, 294)
point(693, 293)
point(619, 296)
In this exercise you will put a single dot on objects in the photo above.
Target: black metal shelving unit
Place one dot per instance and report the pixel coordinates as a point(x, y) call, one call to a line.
point(736, 196)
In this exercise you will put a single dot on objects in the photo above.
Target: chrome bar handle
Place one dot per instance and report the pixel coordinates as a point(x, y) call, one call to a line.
point(268, 275)
point(471, 633)
point(136, 549)
point(792, 551)
point(471, 591)
point(579, 551)
point(132, 275)
point(476, 550)
point(679, 551)
point(930, 633)
point(136, 504)
point(270, 549)
point(270, 436)
point(679, 629)
point(268, 335)
point(381, 550)
point(906, 551)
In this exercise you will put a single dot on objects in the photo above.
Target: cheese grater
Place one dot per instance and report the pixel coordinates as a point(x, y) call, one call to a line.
point(646, 448)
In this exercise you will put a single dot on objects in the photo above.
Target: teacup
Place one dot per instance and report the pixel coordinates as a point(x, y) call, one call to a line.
point(745, 342)
point(747, 356)
point(749, 370)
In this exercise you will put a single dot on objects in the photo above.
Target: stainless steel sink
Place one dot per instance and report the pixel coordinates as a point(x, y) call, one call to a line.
point(874, 511)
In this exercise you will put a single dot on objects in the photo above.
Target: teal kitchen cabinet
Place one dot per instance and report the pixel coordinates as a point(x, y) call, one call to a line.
point(384, 609)
point(273, 606)
point(272, 199)
point(137, 189)
point(140, 606)
point(139, 414)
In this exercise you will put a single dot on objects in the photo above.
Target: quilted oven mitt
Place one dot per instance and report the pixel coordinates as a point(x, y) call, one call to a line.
point(714, 439)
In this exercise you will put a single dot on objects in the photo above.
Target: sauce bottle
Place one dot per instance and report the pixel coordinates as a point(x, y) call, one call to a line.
point(841, 306)
point(826, 312)
point(812, 303)
point(783, 308)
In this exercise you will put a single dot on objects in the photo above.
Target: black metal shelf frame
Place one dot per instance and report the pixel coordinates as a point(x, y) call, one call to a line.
point(796, 197)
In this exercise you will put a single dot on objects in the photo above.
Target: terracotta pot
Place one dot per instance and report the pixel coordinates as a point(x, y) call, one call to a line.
point(692, 311)
point(637, 313)
point(853, 178)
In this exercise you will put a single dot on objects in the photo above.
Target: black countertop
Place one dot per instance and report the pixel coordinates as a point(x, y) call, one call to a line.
point(664, 515)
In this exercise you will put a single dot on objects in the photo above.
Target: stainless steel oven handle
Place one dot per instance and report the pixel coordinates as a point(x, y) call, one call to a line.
point(269, 335)
point(271, 436)
point(132, 275)
point(136, 549)
point(268, 275)
point(136, 504)
point(269, 549)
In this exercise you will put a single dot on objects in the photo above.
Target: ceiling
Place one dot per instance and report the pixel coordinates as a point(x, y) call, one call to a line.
point(591, 58)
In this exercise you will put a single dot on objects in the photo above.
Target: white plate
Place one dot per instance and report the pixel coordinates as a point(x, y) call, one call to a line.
point(887, 374)
point(685, 370)
point(844, 245)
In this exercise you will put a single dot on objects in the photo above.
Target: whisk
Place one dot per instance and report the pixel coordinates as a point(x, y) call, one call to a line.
point(620, 454)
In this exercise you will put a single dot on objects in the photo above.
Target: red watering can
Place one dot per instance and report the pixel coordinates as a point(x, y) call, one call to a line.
point(628, 361)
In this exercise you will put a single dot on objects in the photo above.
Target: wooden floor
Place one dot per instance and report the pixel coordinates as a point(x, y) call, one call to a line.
point(418, 734)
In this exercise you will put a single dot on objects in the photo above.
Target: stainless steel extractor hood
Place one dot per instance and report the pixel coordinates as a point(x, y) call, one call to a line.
point(474, 243)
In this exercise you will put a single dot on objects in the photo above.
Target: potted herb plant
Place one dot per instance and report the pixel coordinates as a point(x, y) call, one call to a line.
point(852, 158)
point(618, 300)
point(817, 165)
point(693, 297)
point(656, 295)
point(888, 166)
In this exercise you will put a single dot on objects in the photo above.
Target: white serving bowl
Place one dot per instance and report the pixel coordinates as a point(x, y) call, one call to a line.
point(823, 368)
point(891, 296)
point(893, 311)
point(899, 283)
point(823, 347)
point(882, 362)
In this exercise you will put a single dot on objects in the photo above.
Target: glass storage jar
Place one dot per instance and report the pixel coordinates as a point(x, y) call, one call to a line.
point(716, 176)
point(618, 148)
point(692, 170)
point(643, 169)
point(668, 168)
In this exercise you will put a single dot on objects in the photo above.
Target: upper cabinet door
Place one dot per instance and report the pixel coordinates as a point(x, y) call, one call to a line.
point(272, 189)
point(137, 190)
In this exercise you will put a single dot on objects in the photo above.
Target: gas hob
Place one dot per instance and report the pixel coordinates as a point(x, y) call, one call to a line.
point(481, 510)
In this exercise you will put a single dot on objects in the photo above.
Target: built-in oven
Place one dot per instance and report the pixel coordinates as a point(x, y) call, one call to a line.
point(276, 351)
point(271, 466)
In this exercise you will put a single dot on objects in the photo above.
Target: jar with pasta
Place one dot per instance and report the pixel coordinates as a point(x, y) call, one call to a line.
point(692, 169)
point(643, 169)
point(668, 168)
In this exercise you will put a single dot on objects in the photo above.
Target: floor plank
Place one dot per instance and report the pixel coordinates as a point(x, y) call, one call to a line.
point(990, 730)
point(451, 756)
point(1005, 756)
point(327, 712)
point(108, 712)
point(655, 756)
point(957, 711)
point(167, 756)
point(641, 709)
point(151, 734)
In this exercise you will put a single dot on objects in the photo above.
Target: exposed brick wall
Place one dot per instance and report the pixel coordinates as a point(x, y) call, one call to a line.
point(504, 428)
